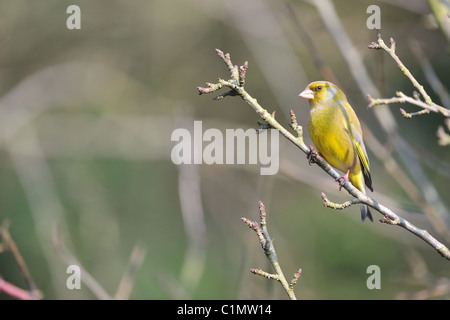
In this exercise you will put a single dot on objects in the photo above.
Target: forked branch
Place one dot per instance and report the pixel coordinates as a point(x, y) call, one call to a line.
point(236, 88)
point(427, 105)
point(267, 245)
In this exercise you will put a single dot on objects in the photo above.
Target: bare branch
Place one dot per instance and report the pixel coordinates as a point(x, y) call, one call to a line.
point(402, 98)
point(70, 259)
point(14, 291)
point(298, 141)
point(126, 283)
point(428, 104)
point(267, 245)
point(338, 206)
point(10, 245)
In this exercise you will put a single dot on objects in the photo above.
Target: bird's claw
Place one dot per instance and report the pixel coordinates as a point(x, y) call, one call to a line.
point(342, 180)
point(311, 155)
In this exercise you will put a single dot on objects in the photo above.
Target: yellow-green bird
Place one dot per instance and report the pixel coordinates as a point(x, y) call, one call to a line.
point(336, 133)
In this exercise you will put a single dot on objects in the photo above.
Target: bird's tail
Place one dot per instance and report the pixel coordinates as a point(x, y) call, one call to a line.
point(358, 181)
point(365, 213)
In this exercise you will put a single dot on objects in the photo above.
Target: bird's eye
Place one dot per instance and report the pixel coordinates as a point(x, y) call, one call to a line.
point(319, 88)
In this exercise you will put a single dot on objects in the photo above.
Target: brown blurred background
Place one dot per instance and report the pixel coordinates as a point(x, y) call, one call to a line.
point(86, 177)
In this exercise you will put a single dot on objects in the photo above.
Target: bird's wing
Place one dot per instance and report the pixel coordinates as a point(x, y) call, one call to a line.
point(357, 141)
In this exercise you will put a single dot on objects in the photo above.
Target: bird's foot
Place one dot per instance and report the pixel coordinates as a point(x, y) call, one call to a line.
point(311, 155)
point(342, 180)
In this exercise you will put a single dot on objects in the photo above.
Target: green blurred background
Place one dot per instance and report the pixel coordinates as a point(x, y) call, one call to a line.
point(86, 175)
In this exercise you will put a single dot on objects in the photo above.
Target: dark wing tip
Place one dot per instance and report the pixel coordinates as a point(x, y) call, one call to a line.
point(365, 213)
point(368, 179)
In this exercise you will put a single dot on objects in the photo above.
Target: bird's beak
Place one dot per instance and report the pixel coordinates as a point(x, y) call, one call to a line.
point(307, 94)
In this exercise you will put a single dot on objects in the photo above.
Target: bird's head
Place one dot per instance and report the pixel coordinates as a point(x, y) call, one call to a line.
point(322, 91)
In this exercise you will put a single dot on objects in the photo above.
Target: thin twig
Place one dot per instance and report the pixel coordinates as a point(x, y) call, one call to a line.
point(70, 259)
point(14, 291)
point(267, 245)
point(428, 104)
point(338, 206)
point(11, 245)
point(320, 161)
point(126, 284)
point(402, 98)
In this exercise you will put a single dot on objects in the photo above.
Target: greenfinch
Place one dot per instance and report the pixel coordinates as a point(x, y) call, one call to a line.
point(336, 133)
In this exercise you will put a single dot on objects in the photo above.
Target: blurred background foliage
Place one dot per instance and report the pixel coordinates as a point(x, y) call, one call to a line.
point(86, 123)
